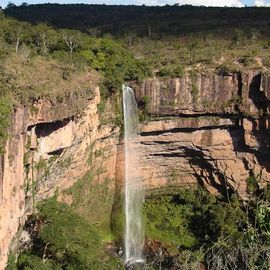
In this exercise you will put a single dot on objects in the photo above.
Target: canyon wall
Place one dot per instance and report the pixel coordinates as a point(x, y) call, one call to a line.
point(47, 152)
point(208, 128)
point(205, 128)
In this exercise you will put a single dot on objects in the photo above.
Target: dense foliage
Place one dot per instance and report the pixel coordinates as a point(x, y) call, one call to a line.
point(192, 226)
point(71, 47)
point(144, 20)
point(190, 218)
point(223, 233)
point(64, 240)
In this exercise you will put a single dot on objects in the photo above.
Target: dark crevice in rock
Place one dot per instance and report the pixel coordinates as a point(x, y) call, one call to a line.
point(238, 139)
point(197, 159)
point(239, 96)
point(256, 95)
point(158, 142)
point(262, 153)
point(246, 164)
point(240, 85)
point(194, 115)
point(45, 129)
point(185, 130)
point(57, 152)
point(165, 155)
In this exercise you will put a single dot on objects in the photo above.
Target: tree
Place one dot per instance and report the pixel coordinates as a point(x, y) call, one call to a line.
point(192, 46)
point(17, 38)
point(42, 38)
point(11, 5)
point(237, 37)
point(93, 31)
point(70, 40)
point(149, 30)
point(131, 38)
point(25, 52)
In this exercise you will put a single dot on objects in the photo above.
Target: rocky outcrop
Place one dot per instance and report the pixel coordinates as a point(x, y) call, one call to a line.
point(245, 92)
point(206, 128)
point(48, 151)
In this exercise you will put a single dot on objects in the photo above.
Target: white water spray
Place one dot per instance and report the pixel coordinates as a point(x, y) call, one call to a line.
point(134, 230)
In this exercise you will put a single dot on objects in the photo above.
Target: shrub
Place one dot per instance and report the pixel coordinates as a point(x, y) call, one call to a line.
point(252, 185)
point(171, 72)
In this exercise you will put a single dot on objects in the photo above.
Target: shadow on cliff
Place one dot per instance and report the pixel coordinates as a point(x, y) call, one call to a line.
point(260, 127)
point(198, 159)
point(45, 129)
point(257, 96)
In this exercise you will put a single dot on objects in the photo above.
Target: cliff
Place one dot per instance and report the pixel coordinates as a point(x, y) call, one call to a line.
point(48, 150)
point(209, 128)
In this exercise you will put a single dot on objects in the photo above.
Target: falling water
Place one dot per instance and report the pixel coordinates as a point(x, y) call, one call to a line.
point(134, 231)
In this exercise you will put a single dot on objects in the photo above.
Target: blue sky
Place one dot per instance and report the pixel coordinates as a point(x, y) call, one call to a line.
point(237, 3)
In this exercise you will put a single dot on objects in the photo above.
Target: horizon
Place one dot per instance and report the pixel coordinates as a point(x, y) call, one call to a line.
point(206, 3)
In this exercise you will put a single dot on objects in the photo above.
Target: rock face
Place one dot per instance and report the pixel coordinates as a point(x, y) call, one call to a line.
point(244, 92)
point(207, 128)
point(48, 151)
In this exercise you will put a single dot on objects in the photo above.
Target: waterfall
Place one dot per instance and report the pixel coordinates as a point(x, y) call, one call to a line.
point(134, 229)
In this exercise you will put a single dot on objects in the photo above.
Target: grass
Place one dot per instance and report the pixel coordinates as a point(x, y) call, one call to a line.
point(41, 78)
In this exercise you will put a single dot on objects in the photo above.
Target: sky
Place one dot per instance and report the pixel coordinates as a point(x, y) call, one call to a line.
point(231, 3)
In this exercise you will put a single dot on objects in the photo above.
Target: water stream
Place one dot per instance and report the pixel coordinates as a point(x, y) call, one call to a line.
point(134, 229)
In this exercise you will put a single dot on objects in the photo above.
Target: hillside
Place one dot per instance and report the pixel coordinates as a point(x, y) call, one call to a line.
point(170, 38)
point(167, 20)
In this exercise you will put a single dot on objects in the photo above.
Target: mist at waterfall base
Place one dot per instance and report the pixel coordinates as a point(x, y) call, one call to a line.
point(134, 197)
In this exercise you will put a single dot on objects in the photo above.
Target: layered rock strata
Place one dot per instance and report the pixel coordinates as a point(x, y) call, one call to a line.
point(207, 128)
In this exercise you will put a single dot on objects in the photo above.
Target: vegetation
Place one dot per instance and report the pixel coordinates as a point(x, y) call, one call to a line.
point(192, 226)
point(223, 233)
point(74, 234)
point(167, 37)
point(171, 72)
point(176, 219)
point(5, 110)
point(64, 240)
point(146, 21)
point(143, 108)
point(57, 64)
point(72, 50)
point(94, 203)
point(252, 185)
point(42, 61)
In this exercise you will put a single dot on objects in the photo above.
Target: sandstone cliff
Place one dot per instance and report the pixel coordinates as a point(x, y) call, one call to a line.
point(48, 151)
point(205, 128)
point(208, 128)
